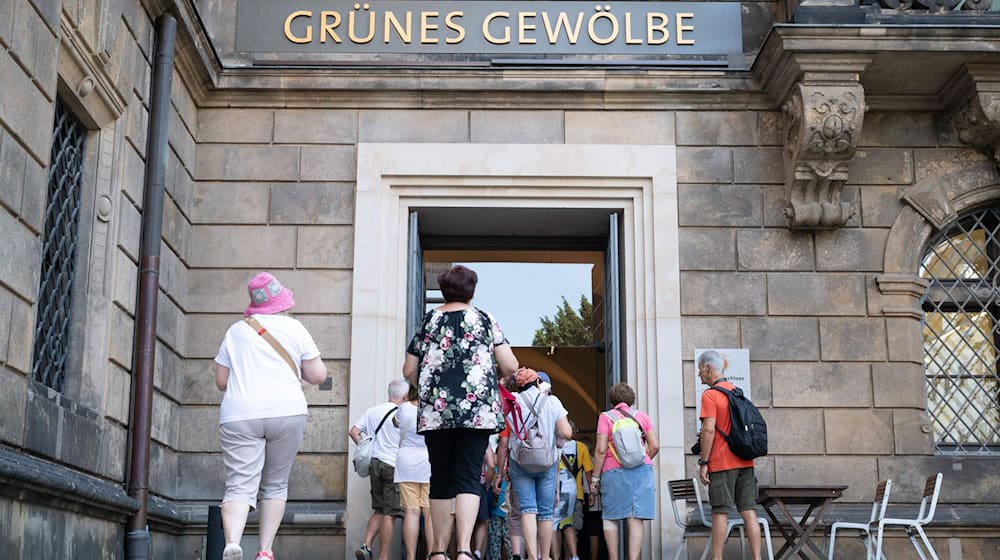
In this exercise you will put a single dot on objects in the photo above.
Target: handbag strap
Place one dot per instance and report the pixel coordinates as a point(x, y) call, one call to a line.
point(256, 326)
point(384, 418)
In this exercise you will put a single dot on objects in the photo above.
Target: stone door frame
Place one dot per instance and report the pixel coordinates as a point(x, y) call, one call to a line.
point(638, 180)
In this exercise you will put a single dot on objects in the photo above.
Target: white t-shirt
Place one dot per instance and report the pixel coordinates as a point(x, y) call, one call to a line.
point(412, 462)
point(261, 385)
point(551, 410)
point(385, 444)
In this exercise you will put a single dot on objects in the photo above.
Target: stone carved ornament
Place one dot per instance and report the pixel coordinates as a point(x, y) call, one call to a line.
point(977, 123)
point(936, 5)
point(822, 130)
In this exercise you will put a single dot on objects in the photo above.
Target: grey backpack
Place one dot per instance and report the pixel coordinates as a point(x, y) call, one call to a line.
point(535, 453)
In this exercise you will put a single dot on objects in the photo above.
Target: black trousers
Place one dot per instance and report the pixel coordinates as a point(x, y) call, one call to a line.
point(456, 457)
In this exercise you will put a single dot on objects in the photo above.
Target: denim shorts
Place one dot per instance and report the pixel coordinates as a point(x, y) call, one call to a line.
point(536, 492)
point(628, 493)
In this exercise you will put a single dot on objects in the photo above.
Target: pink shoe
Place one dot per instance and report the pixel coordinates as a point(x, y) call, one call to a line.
point(262, 555)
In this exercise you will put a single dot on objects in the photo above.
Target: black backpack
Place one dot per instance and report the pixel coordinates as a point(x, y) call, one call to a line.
point(748, 436)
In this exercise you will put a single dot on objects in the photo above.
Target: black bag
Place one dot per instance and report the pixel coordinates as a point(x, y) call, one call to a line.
point(748, 436)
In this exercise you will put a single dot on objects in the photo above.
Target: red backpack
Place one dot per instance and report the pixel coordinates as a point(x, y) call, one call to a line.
point(512, 413)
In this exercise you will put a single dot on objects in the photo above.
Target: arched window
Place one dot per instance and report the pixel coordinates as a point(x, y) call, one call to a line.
point(962, 333)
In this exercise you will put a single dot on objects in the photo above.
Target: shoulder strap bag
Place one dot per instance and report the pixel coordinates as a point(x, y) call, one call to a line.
point(256, 326)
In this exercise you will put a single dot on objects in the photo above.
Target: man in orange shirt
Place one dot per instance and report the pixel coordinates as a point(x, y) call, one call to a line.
point(731, 480)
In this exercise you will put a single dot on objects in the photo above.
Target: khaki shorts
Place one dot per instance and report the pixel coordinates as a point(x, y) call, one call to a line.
point(733, 488)
point(385, 493)
point(415, 494)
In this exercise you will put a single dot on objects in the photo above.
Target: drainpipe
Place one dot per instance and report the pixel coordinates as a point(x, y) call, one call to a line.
point(144, 343)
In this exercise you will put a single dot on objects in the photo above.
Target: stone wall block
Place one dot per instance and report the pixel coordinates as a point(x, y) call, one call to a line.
point(704, 165)
point(708, 332)
point(620, 127)
point(328, 163)
point(199, 440)
point(707, 249)
point(129, 228)
point(118, 394)
point(797, 293)
point(853, 339)
point(179, 94)
point(325, 247)
point(36, 188)
point(701, 205)
point(880, 206)
point(12, 160)
point(940, 162)
point(200, 475)
point(912, 432)
point(235, 126)
point(413, 125)
point(204, 333)
point(516, 127)
point(224, 291)
point(81, 441)
point(760, 384)
point(229, 203)
point(163, 472)
point(43, 423)
point(794, 431)
point(966, 480)
point(319, 477)
point(899, 385)
point(315, 126)
point(851, 249)
point(332, 334)
point(169, 322)
point(336, 394)
point(242, 247)
point(722, 293)
point(136, 121)
point(906, 340)
point(775, 202)
point(858, 432)
point(759, 165)
point(122, 331)
point(135, 167)
point(780, 338)
point(6, 300)
point(20, 257)
point(181, 141)
point(226, 162)
point(22, 336)
point(198, 381)
point(176, 229)
point(859, 473)
point(125, 281)
point(774, 249)
point(13, 395)
point(325, 430)
point(23, 107)
point(890, 129)
point(820, 385)
point(717, 128)
point(876, 166)
point(169, 373)
point(306, 203)
point(165, 420)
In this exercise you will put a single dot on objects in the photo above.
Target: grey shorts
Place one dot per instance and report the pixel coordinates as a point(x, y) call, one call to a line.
point(735, 487)
point(258, 455)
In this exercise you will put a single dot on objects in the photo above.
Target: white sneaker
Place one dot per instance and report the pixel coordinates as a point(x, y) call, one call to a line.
point(233, 551)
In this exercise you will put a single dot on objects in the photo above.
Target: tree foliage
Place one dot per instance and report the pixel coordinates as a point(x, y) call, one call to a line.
point(569, 327)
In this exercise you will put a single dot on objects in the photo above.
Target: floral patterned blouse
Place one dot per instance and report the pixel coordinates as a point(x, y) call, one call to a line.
point(458, 382)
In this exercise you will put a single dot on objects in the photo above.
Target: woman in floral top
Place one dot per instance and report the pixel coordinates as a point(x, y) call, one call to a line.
point(453, 358)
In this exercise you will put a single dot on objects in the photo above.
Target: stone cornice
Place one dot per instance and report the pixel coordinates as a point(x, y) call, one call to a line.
point(86, 75)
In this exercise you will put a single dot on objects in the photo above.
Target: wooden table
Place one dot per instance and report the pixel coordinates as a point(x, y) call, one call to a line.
point(798, 531)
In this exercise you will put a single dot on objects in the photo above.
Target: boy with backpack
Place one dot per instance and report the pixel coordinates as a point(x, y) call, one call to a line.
point(731, 478)
point(575, 467)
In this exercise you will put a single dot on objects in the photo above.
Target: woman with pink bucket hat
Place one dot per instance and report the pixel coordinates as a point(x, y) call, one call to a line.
point(261, 365)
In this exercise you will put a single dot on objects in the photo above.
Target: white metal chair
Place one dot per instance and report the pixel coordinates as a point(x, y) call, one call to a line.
point(688, 488)
point(928, 503)
point(865, 529)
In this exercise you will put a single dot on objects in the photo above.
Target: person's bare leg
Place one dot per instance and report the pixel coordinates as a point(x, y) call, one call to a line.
point(544, 536)
point(752, 526)
point(556, 547)
point(385, 534)
point(374, 522)
point(719, 523)
point(441, 523)
point(595, 547)
point(611, 538)
point(466, 510)
point(428, 529)
point(479, 534)
point(271, 512)
point(635, 538)
point(529, 530)
point(411, 531)
point(569, 533)
point(234, 520)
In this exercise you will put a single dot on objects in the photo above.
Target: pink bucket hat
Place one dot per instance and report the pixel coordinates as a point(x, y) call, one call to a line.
point(267, 295)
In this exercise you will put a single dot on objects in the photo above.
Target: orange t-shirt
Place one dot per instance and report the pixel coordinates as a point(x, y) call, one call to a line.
point(714, 404)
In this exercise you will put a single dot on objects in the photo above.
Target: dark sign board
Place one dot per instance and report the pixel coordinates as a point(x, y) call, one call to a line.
point(501, 29)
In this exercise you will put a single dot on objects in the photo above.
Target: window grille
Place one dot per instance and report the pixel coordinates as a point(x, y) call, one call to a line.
point(59, 243)
point(961, 328)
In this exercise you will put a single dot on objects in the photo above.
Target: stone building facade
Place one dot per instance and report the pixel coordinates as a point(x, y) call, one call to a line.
point(748, 221)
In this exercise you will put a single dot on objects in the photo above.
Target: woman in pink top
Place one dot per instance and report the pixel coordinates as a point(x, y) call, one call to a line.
point(625, 493)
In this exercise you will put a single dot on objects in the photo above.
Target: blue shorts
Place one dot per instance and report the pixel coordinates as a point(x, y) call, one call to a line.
point(628, 493)
point(536, 492)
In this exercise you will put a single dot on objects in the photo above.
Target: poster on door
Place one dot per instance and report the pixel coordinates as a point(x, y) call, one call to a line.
point(737, 372)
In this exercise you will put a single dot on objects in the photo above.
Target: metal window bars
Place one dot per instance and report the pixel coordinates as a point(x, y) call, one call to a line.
point(59, 245)
point(961, 313)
